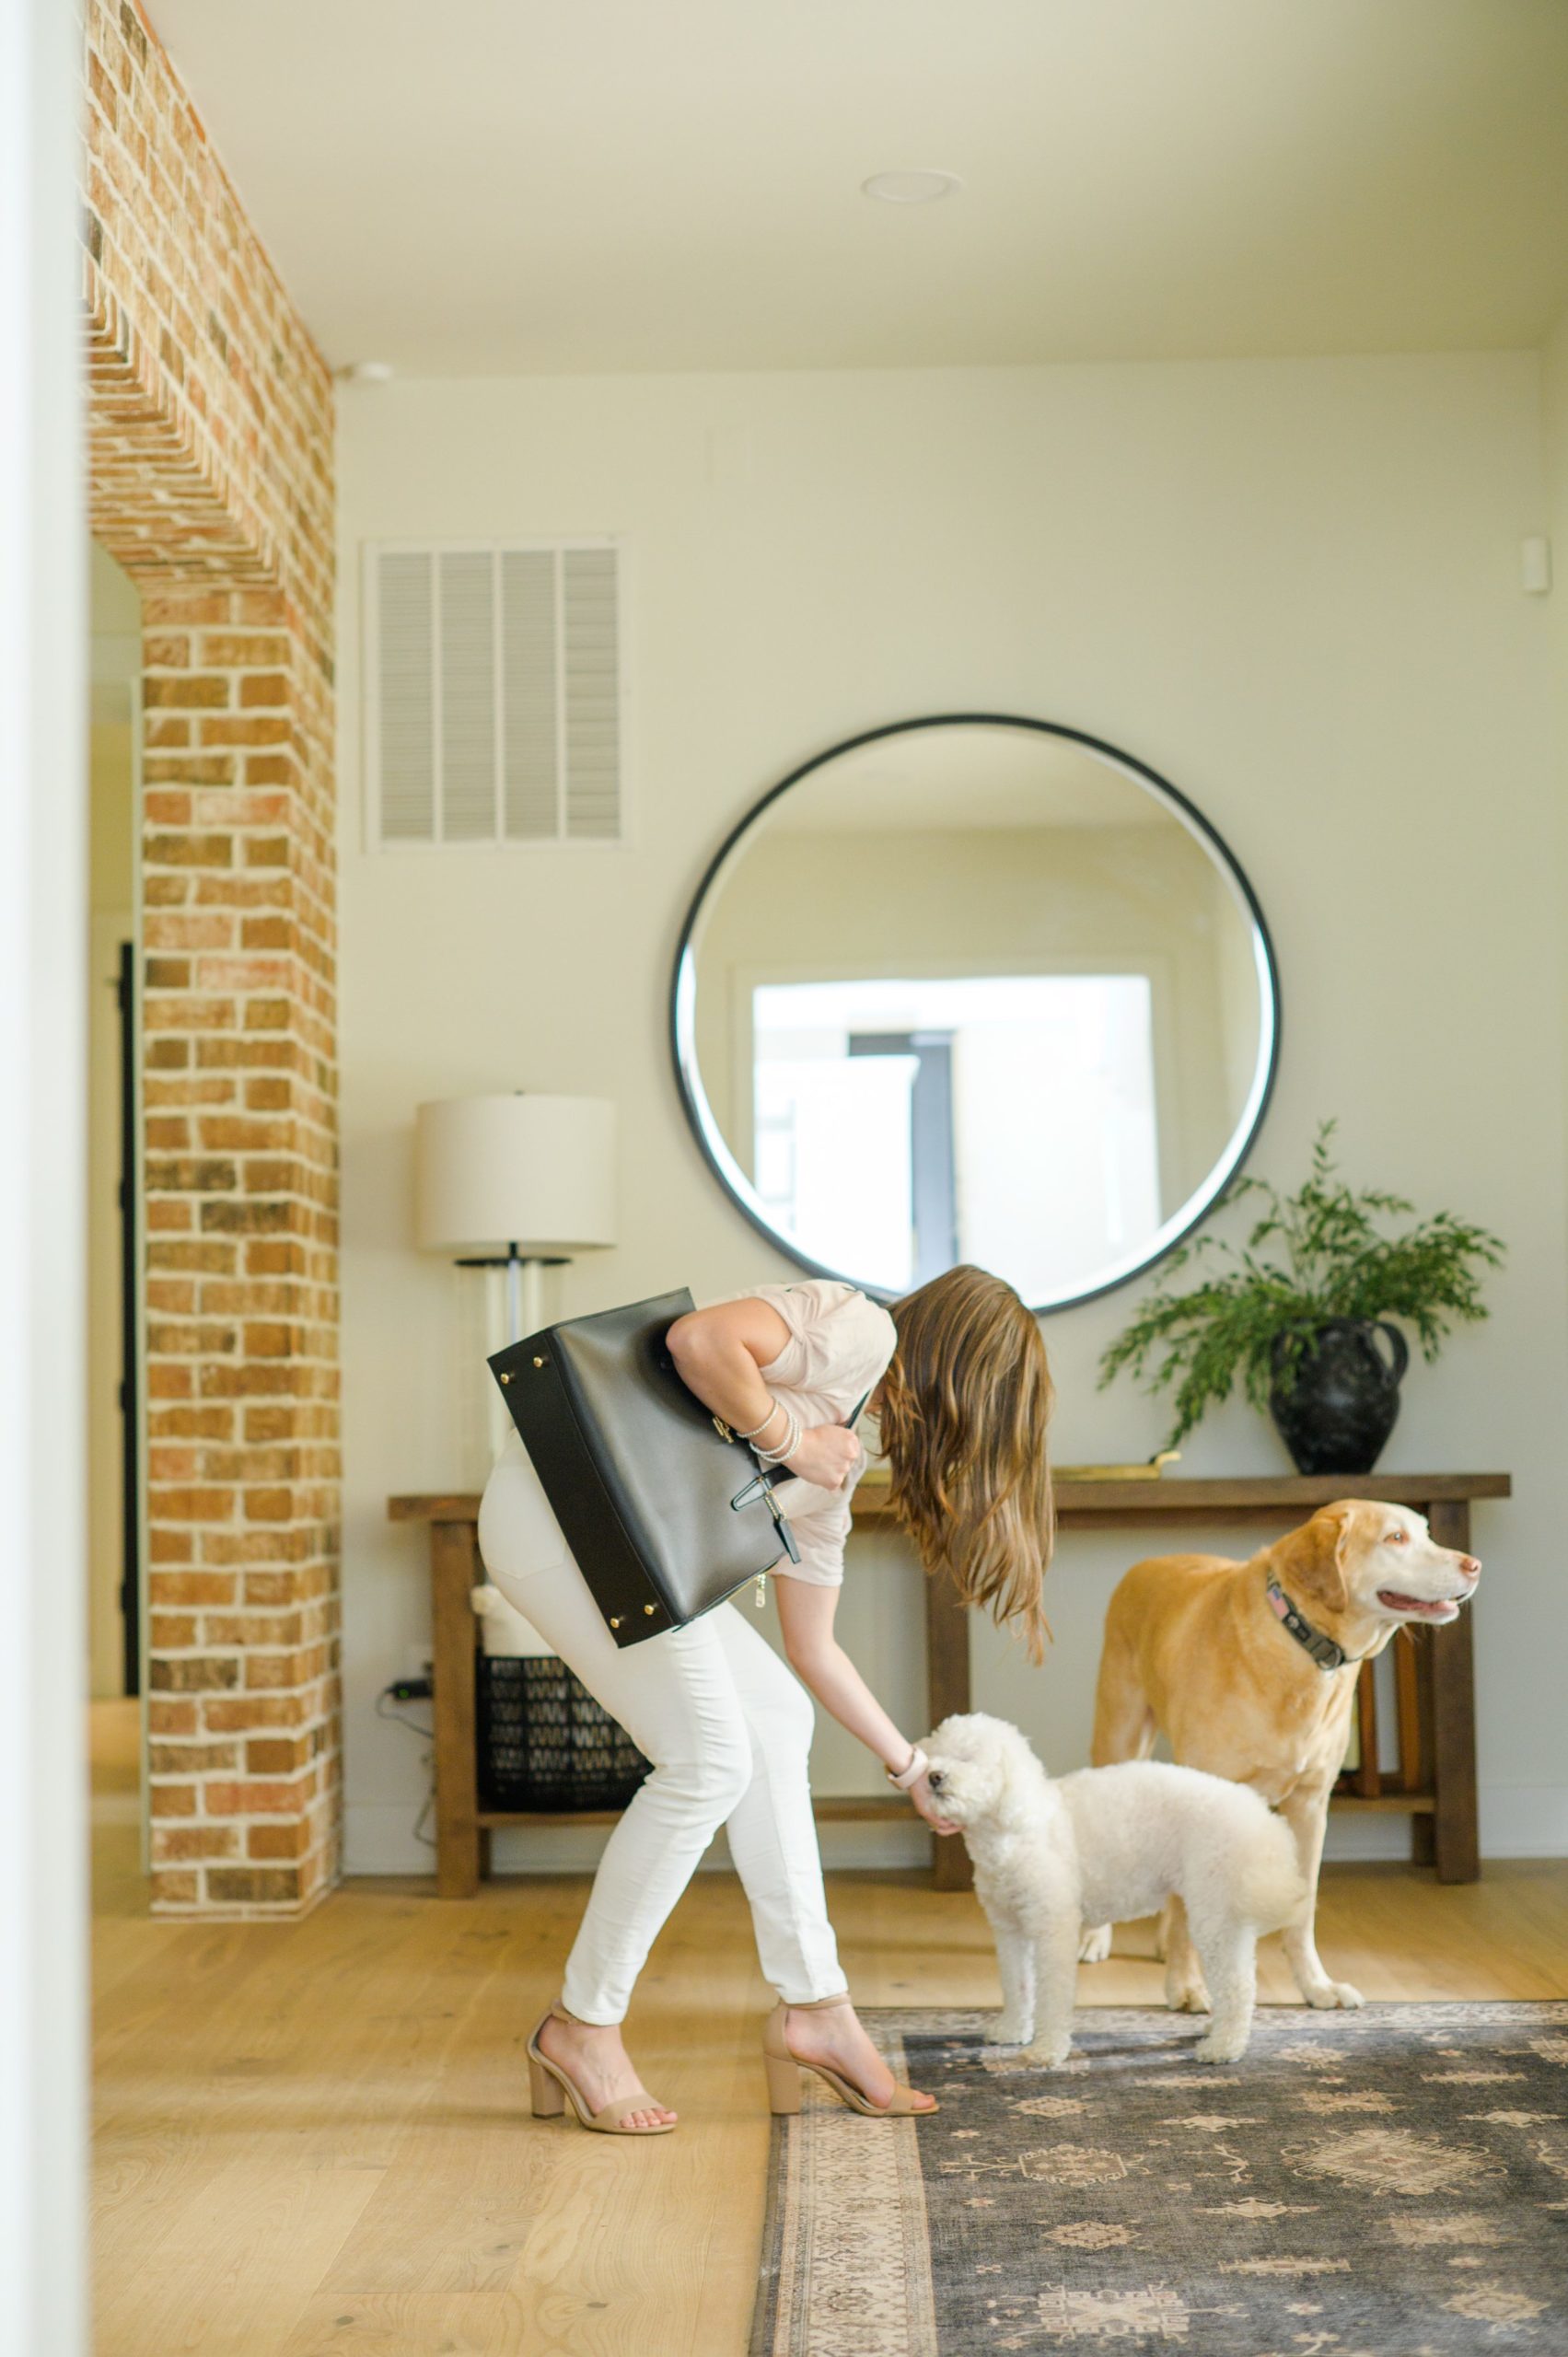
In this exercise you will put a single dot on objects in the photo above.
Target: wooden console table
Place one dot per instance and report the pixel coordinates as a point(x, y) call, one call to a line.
point(1434, 1784)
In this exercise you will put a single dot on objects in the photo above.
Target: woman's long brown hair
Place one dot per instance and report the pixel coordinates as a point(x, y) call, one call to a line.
point(963, 1413)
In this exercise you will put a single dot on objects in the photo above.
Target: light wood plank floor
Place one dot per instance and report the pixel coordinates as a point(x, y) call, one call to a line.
point(312, 2139)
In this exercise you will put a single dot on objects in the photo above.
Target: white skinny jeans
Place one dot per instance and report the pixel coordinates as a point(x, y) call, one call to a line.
point(728, 1729)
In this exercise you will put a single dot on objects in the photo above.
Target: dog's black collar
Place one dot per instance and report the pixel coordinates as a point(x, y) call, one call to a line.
point(1323, 1650)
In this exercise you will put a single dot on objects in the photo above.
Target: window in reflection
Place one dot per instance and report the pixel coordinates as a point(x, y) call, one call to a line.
point(1010, 1120)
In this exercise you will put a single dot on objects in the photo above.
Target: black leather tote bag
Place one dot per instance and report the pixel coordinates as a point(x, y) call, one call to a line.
point(666, 1511)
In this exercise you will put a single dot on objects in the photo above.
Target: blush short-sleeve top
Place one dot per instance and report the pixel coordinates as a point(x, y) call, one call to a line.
point(839, 1346)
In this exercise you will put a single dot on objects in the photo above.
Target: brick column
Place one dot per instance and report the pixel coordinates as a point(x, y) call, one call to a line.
point(240, 1209)
point(210, 479)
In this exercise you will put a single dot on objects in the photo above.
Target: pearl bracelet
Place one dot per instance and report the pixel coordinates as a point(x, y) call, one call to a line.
point(911, 1774)
point(791, 1443)
point(778, 1409)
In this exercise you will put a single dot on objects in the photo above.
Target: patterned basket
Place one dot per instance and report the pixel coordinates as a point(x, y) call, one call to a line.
point(544, 1743)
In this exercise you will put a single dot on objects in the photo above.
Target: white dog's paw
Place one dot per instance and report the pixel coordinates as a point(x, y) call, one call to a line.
point(1326, 1995)
point(1094, 1946)
point(1003, 2032)
point(1187, 1996)
point(1052, 2057)
point(1215, 2048)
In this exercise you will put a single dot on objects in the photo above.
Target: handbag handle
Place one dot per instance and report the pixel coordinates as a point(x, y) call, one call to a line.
point(767, 1478)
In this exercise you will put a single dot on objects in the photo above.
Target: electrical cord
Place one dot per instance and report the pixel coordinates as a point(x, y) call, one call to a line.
point(413, 1690)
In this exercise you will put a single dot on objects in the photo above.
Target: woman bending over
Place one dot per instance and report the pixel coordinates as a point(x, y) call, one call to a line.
point(958, 1381)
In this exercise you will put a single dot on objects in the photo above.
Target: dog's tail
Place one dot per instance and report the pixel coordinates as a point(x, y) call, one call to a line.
point(1272, 1893)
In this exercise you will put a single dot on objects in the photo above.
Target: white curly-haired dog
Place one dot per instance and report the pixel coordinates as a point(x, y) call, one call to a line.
point(1051, 1854)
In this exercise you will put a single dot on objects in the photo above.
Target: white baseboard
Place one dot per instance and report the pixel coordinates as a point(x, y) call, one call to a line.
point(1516, 1821)
point(1378, 1836)
point(381, 1841)
point(1523, 1820)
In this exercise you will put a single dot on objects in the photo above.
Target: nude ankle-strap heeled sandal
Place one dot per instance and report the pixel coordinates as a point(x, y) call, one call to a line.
point(783, 2071)
point(551, 2089)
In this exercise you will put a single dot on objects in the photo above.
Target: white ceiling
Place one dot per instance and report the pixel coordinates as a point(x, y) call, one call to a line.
point(499, 186)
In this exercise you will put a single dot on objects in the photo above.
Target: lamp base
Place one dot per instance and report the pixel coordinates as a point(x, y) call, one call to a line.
point(504, 1305)
point(524, 1293)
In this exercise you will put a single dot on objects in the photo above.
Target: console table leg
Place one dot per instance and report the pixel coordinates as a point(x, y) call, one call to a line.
point(947, 1691)
point(1456, 1828)
point(454, 1569)
point(1423, 1824)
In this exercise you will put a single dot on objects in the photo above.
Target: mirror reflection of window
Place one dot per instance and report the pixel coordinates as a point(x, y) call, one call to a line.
point(975, 989)
point(834, 1153)
point(1008, 1119)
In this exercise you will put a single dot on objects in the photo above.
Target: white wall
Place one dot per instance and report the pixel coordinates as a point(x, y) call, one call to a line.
point(1293, 588)
point(43, 2016)
point(1554, 436)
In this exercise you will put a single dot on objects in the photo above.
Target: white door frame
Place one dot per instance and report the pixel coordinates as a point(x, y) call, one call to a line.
point(42, 913)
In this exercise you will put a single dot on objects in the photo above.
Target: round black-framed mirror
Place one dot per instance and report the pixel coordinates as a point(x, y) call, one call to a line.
point(975, 986)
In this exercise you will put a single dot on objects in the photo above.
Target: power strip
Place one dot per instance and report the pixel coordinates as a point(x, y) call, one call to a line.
point(408, 1689)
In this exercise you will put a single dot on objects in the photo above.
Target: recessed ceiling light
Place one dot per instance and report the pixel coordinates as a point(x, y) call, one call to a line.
point(909, 187)
point(367, 372)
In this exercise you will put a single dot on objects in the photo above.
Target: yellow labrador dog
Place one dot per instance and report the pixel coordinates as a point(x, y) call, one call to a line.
point(1249, 1669)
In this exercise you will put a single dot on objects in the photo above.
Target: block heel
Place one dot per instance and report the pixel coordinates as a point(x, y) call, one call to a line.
point(546, 2097)
point(783, 2085)
point(553, 2091)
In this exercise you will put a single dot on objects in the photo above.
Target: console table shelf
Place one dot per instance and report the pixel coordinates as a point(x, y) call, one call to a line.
point(1434, 1784)
point(829, 1808)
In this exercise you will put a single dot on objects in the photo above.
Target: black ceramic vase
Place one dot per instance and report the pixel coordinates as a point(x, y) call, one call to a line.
point(1336, 1407)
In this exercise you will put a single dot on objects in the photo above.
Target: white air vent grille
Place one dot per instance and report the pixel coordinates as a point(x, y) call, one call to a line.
point(493, 695)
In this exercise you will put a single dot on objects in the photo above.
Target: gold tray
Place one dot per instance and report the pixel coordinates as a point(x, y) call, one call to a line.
point(1150, 1470)
point(877, 1475)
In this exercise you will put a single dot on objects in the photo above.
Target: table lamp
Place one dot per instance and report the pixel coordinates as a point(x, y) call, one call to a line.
point(520, 1183)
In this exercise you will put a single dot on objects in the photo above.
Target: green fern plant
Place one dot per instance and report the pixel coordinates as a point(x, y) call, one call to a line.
point(1310, 1256)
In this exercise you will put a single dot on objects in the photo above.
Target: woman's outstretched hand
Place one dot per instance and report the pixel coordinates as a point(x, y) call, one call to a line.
point(926, 1801)
point(828, 1455)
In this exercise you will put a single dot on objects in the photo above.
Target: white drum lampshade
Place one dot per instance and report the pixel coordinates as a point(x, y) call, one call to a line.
point(525, 1177)
point(514, 1183)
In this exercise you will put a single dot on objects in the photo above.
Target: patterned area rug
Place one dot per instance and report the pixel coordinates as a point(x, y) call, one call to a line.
point(1392, 2183)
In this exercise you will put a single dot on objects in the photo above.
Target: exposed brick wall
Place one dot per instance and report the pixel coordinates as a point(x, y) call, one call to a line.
point(210, 462)
point(201, 361)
